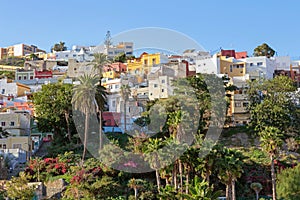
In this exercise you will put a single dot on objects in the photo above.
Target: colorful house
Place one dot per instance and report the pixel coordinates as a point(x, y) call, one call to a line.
point(144, 63)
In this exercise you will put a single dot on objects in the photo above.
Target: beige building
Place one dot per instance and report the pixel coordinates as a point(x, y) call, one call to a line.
point(17, 124)
point(77, 69)
point(19, 50)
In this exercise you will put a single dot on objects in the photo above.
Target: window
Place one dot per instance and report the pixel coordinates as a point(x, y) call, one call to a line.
point(17, 146)
point(251, 64)
point(4, 146)
point(116, 86)
point(74, 55)
point(230, 68)
point(237, 104)
point(12, 123)
point(145, 62)
point(259, 63)
point(3, 91)
point(2, 123)
point(153, 61)
point(163, 81)
point(128, 47)
point(25, 77)
point(31, 77)
point(113, 103)
point(155, 85)
point(162, 90)
point(20, 77)
point(150, 94)
point(66, 56)
point(245, 104)
point(0, 146)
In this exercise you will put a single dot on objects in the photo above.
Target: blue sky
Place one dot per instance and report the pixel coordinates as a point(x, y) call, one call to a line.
point(231, 24)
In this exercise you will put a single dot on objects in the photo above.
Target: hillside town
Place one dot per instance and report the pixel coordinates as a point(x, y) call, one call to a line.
point(36, 125)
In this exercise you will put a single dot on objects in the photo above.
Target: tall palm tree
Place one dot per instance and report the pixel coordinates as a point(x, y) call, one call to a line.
point(84, 101)
point(100, 60)
point(230, 164)
point(125, 91)
point(153, 157)
point(101, 100)
point(271, 141)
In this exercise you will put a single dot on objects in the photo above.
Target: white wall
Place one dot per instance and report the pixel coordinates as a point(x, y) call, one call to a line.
point(18, 50)
point(8, 89)
point(208, 65)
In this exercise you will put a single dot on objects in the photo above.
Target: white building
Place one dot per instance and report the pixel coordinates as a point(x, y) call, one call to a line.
point(79, 53)
point(208, 65)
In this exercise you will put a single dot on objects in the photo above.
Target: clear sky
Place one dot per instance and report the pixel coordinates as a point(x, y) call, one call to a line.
point(230, 24)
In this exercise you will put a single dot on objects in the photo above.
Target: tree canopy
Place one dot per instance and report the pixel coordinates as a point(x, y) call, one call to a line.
point(59, 47)
point(264, 50)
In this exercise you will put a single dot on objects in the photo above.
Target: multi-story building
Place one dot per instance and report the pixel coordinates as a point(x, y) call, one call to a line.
point(14, 89)
point(161, 77)
point(114, 70)
point(19, 50)
point(17, 124)
point(79, 53)
point(77, 69)
point(144, 63)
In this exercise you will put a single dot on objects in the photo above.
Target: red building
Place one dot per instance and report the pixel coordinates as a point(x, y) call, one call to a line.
point(111, 118)
point(42, 74)
point(117, 67)
point(232, 53)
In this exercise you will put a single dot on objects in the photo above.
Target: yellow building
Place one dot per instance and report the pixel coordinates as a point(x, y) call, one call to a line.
point(144, 63)
point(111, 74)
point(232, 67)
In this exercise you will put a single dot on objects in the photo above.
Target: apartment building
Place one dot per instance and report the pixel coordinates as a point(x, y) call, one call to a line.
point(19, 50)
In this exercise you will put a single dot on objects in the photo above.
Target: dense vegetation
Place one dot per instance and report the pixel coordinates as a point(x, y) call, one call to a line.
point(221, 171)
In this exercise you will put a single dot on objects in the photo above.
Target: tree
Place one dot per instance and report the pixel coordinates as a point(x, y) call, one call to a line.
point(100, 60)
point(59, 47)
point(125, 92)
point(272, 104)
point(264, 50)
point(135, 184)
point(18, 188)
point(33, 56)
point(53, 109)
point(230, 167)
point(84, 101)
point(288, 183)
point(201, 190)
point(120, 58)
point(271, 141)
point(257, 187)
point(153, 157)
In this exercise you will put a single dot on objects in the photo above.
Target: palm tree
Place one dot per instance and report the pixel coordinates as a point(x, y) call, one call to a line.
point(135, 184)
point(153, 157)
point(125, 91)
point(257, 187)
point(230, 163)
point(271, 141)
point(84, 101)
point(100, 104)
point(100, 60)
